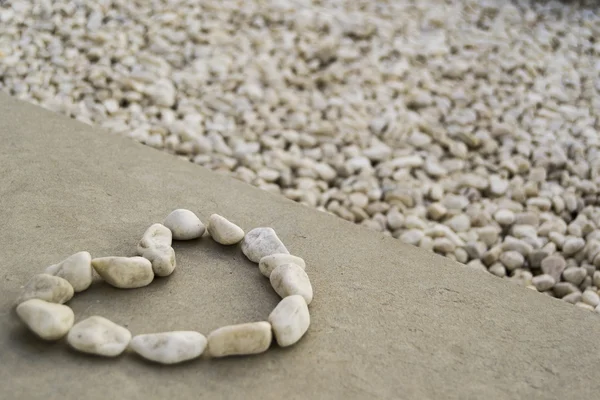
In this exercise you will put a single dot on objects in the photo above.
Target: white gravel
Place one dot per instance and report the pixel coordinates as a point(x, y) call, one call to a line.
point(469, 128)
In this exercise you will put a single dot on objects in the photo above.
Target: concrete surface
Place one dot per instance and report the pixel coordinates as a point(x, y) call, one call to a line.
point(389, 321)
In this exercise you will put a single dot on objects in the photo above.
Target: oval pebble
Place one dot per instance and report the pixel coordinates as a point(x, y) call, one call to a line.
point(261, 242)
point(156, 235)
point(47, 287)
point(242, 339)
point(184, 225)
point(224, 231)
point(162, 259)
point(76, 269)
point(290, 320)
point(169, 347)
point(267, 264)
point(290, 279)
point(124, 272)
point(100, 336)
point(49, 321)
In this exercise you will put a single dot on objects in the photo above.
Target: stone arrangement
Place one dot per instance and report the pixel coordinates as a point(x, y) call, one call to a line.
point(41, 303)
point(464, 127)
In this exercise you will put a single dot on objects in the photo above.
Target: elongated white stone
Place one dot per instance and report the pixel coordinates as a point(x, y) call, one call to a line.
point(184, 225)
point(224, 231)
point(267, 264)
point(97, 335)
point(47, 287)
point(157, 235)
point(49, 321)
point(261, 242)
point(290, 279)
point(162, 259)
point(242, 339)
point(76, 269)
point(169, 347)
point(290, 320)
point(124, 272)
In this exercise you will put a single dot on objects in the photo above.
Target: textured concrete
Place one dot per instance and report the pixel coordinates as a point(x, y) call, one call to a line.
point(388, 320)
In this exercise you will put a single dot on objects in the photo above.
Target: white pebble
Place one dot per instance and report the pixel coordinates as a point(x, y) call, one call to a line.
point(543, 282)
point(504, 217)
point(162, 259)
point(290, 279)
point(76, 269)
point(242, 339)
point(261, 242)
point(590, 297)
point(124, 272)
point(169, 347)
point(184, 225)
point(49, 321)
point(223, 231)
point(575, 275)
point(572, 245)
point(290, 320)
point(512, 260)
point(98, 335)
point(47, 287)
point(267, 264)
point(155, 235)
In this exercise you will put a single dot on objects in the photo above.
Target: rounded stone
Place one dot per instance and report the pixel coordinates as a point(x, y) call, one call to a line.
point(124, 272)
point(242, 339)
point(224, 231)
point(49, 321)
point(162, 259)
point(46, 287)
point(290, 320)
point(157, 235)
point(512, 259)
point(99, 336)
point(76, 269)
point(290, 279)
point(169, 347)
point(262, 242)
point(267, 264)
point(184, 225)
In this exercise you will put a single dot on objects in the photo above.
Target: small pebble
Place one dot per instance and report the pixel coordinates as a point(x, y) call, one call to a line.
point(169, 347)
point(543, 282)
point(242, 339)
point(290, 320)
point(157, 235)
point(561, 289)
point(124, 272)
point(590, 297)
point(184, 225)
point(504, 217)
point(498, 269)
point(76, 269)
point(261, 242)
point(554, 266)
point(49, 321)
point(575, 275)
point(98, 335)
point(223, 231)
point(290, 279)
point(267, 264)
point(572, 245)
point(46, 287)
point(162, 259)
point(572, 298)
point(512, 260)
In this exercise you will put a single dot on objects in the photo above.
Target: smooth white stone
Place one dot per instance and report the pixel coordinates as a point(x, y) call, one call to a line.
point(169, 347)
point(98, 335)
point(290, 320)
point(261, 242)
point(47, 287)
point(157, 235)
point(290, 279)
point(49, 321)
point(268, 263)
point(76, 269)
point(162, 259)
point(224, 231)
point(184, 225)
point(124, 272)
point(242, 339)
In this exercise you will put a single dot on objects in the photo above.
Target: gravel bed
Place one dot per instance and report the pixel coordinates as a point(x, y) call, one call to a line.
point(468, 128)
